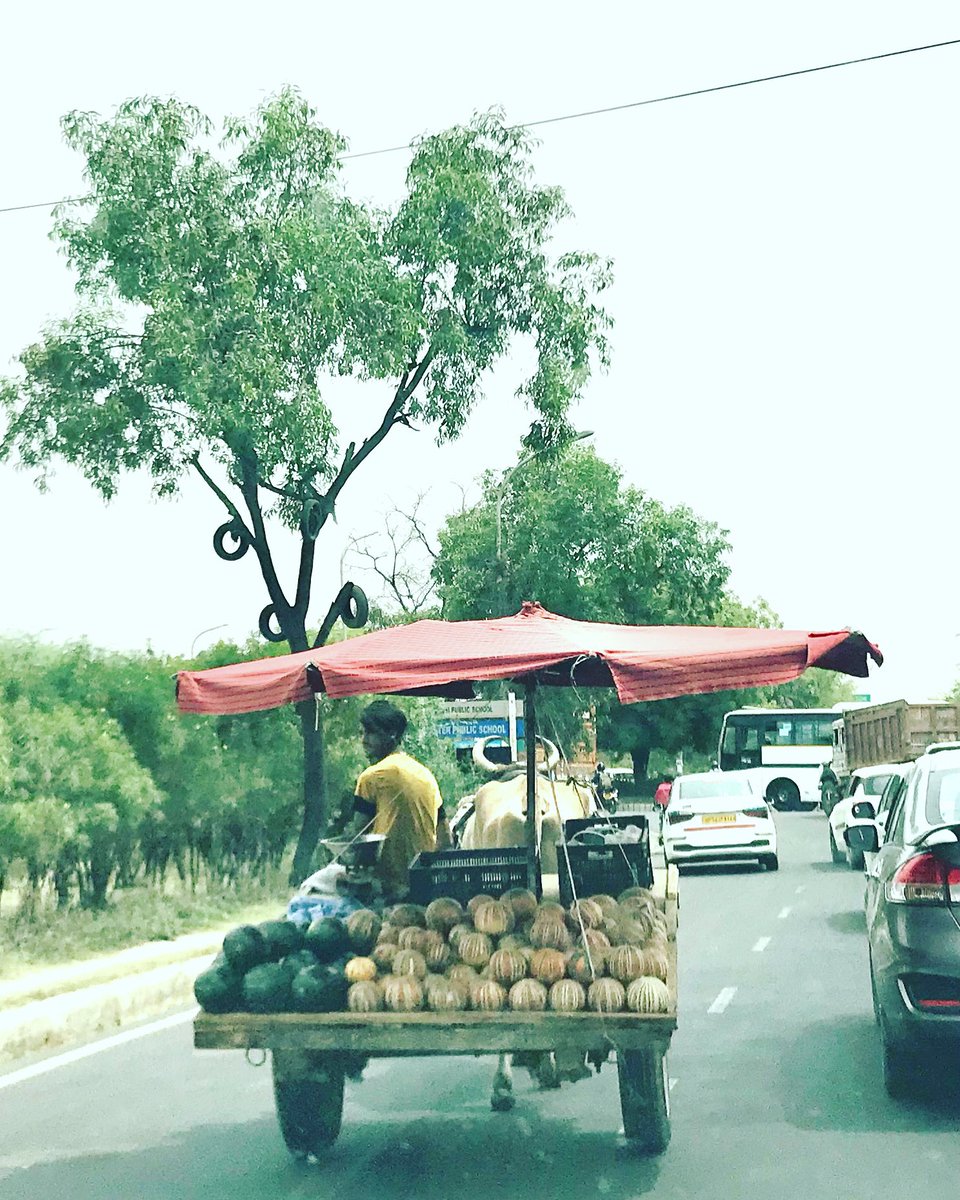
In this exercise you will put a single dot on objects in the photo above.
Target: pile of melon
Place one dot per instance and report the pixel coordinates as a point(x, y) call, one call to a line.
point(601, 954)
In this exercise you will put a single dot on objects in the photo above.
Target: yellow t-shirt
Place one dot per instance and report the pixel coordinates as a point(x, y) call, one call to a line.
point(407, 802)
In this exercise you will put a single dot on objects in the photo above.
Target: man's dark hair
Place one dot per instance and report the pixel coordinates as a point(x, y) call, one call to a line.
point(383, 717)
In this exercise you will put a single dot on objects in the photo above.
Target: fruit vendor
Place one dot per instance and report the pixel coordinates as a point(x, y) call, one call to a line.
point(396, 796)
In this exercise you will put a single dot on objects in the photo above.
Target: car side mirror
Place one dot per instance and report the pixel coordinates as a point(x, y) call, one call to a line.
point(863, 810)
point(865, 838)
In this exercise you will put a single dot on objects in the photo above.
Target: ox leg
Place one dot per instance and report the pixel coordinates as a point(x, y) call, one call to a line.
point(502, 1098)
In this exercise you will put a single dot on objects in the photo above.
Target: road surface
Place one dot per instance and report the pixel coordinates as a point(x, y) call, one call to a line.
point(776, 1089)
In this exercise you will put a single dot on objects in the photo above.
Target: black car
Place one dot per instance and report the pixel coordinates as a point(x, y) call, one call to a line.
point(913, 920)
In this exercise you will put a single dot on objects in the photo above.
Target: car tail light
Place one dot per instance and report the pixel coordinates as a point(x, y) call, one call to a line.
point(675, 817)
point(758, 813)
point(924, 879)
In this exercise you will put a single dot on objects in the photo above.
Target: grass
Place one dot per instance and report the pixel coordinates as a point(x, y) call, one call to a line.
point(132, 916)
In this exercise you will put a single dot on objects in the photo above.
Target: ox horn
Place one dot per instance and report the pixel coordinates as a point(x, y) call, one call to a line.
point(552, 753)
point(480, 758)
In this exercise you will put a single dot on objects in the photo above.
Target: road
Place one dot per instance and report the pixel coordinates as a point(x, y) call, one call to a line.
point(777, 1089)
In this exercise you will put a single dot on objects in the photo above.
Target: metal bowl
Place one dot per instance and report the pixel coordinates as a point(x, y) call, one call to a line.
point(363, 851)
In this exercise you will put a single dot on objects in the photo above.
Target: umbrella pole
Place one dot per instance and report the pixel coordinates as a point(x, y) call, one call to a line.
point(530, 740)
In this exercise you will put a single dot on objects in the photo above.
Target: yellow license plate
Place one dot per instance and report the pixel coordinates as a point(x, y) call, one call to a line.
point(719, 818)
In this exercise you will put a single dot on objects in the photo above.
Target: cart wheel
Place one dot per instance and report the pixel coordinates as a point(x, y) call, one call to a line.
point(308, 1092)
point(645, 1098)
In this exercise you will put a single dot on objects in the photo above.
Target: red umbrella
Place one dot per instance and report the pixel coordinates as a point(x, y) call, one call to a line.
point(535, 647)
point(439, 657)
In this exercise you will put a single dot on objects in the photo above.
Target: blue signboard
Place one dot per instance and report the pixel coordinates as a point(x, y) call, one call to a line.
point(467, 729)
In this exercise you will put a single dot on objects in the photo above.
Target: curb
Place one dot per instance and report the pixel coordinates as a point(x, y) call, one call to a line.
point(44, 1026)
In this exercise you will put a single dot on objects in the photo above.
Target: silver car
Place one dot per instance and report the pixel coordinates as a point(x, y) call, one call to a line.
point(913, 918)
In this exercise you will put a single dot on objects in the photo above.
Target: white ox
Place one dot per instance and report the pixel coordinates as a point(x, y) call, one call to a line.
point(499, 807)
point(495, 817)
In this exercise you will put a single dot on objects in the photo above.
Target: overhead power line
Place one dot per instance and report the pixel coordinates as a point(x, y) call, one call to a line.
point(612, 108)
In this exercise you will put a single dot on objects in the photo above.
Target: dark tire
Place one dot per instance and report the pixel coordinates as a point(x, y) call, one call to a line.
point(354, 607)
point(267, 632)
point(783, 794)
point(239, 535)
point(836, 854)
point(645, 1098)
point(309, 1109)
point(770, 862)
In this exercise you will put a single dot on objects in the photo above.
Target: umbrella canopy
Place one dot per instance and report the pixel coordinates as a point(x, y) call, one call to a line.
point(441, 657)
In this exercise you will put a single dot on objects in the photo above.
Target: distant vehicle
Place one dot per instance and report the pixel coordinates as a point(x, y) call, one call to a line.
point(782, 750)
point(865, 783)
point(913, 920)
point(894, 732)
point(717, 817)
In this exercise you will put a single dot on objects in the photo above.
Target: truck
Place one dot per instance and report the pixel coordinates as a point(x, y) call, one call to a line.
point(894, 732)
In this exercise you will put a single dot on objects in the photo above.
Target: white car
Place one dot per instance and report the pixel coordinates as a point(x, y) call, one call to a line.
point(717, 817)
point(865, 783)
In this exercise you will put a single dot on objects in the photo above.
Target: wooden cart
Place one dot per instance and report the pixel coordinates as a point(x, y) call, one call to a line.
point(312, 1053)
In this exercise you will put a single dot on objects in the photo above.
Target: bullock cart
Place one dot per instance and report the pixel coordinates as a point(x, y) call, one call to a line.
point(313, 1053)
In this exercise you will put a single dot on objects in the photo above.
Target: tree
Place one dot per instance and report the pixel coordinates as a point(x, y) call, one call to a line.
point(220, 285)
point(568, 533)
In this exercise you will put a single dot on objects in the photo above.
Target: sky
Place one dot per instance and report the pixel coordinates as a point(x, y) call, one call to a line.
point(786, 259)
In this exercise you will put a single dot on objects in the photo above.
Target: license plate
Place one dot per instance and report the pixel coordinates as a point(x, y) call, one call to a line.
point(719, 818)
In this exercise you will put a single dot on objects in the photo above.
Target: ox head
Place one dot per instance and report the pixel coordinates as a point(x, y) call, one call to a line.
point(484, 763)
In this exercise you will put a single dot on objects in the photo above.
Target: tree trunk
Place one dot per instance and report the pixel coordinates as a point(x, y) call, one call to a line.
point(640, 756)
point(314, 791)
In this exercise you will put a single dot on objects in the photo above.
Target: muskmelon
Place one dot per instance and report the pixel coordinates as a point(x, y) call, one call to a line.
point(463, 975)
point(447, 996)
point(475, 901)
point(475, 949)
point(365, 997)
point(512, 941)
point(245, 947)
point(409, 962)
point(549, 932)
point(655, 962)
point(487, 995)
point(548, 965)
point(458, 931)
point(403, 993)
point(438, 955)
point(636, 893)
point(523, 902)
point(359, 970)
point(443, 913)
point(607, 995)
point(529, 995)
point(363, 929)
point(625, 963)
point(648, 995)
point(327, 937)
point(218, 989)
point(585, 914)
point(596, 939)
point(607, 904)
point(412, 938)
point(407, 914)
point(507, 966)
point(493, 918)
point(566, 995)
point(383, 955)
point(584, 966)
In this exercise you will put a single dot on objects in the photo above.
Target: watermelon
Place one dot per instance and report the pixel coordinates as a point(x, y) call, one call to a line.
point(218, 989)
point(266, 988)
point(245, 947)
point(282, 938)
point(299, 959)
point(328, 938)
point(319, 989)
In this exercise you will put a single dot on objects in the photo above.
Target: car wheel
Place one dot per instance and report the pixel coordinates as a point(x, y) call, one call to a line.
point(783, 794)
point(770, 862)
point(855, 859)
point(836, 854)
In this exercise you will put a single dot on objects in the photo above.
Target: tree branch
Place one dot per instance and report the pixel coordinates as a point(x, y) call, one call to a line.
point(221, 495)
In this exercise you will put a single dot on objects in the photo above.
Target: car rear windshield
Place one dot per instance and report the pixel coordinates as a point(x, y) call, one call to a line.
point(943, 797)
point(873, 785)
point(710, 786)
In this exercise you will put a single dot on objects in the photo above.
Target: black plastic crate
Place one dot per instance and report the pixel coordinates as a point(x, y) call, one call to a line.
point(604, 868)
point(461, 874)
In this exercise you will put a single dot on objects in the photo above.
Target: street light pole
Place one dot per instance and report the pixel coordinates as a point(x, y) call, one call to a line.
point(212, 629)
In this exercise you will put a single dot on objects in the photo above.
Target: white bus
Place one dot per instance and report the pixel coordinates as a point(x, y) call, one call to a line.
point(784, 749)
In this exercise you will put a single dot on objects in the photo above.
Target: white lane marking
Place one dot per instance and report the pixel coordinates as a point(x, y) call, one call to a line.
point(671, 1083)
point(761, 945)
point(801, 889)
point(784, 912)
point(72, 1056)
point(723, 999)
